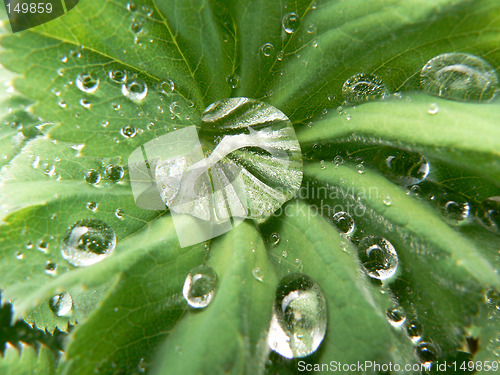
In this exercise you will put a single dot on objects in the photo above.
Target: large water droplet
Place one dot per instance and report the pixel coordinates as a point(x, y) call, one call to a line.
point(378, 257)
point(290, 22)
point(344, 222)
point(87, 242)
point(199, 287)
point(298, 323)
point(459, 76)
point(86, 83)
point(135, 90)
point(61, 304)
point(363, 87)
point(401, 166)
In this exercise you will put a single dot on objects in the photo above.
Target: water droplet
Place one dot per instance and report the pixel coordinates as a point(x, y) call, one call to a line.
point(60, 72)
point(280, 55)
point(92, 176)
point(199, 287)
point(85, 103)
point(137, 26)
point(315, 44)
point(116, 106)
point(290, 22)
point(119, 213)
point(401, 166)
point(233, 80)
point(64, 59)
point(344, 222)
point(311, 29)
point(457, 210)
point(396, 316)
point(175, 109)
point(426, 353)
point(62, 103)
point(267, 49)
point(43, 246)
point(275, 239)
point(50, 268)
point(166, 86)
point(488, 213)
point(118, 76)
point(338, 160)
point(257, 273)
point(61, 304)
point(128, 131)
point(114, 172)
point(459, 76)
point(433, 109)
point(360, 168)
point(414, 330)
point(135, 90)
point(86, 83)
point(87, 242)
point(29, 245)
point(131, 7)
point(378, 257)
point(299, 264)
point(387, 201)
point(322, 164)
point(363, 87)
point(92, 206)
point(19, 255)
point(298, 323)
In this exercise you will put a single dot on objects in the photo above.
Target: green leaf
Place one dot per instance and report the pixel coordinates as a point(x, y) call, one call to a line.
point(70, 114)
point(27, 361)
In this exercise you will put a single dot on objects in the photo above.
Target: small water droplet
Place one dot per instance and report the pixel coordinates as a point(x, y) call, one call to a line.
point(50, 268)
point(87, 242)
point(459, 76)
point(135, 90)
point(64, 59)
point(92, 176)
point(396, 316)
point(363, 87)
point(433, 109)
point(19, 255)
point(86, 83)
point(116, 106)
point(322, 164)
point(426, 353)
point(275, 239)
point(298, 323)
point(62, 103)
point(378, 257)
point(175, 109)
point(457, 210)
point(488, 213)
point(85, 103)
point(280, 55)
point(29, 245)
point(311, 29)
point(92, 206)
point(114, 172)
point(387, 200)
point(414, 330)
point(61, 304)
point(233, 80)
point(166, 86)
point(360, 168)
point(60, 72)
point(128, 131)
point(267, 49)
point(119, 213)
point(290, 22)
point(131, 7)
point(118, 76)
point(344, 222)
point(137, 26)
point(257, 273)
point(199, 287)
point(299, 264)
point(338, 160)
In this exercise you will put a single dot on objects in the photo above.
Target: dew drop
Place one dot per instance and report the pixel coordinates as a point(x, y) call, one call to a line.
point(128, 131)
point(267, 49)
point(233, 80)
point(166, 86)
point(456, 210)
point(459, 76)
point(360, 168)
point(137, 26)
point(87, 242)
point(199, 287)
point(311, 29)
point(61, 304)
point(275, 239)
point(50, 268)
point(378, 257)
point(62, 103)
point(92, 176)
point(114, 172)
point(401, 166)
point(387, 201)
point(118, 76)
point(19, 255)
point(338, 160)
point(290, 22)
point(396, 316)
point(280, 55)
point(344, 222)
point(175, 109)
point(135, 90)
point(426, 353)
point(116, 106)
point(119, 213)
point(414, 330)
point(363, 87)
point(85, 103)
point(86, 83)
point(488, 213)
point(257, 274)
point(131, 7)
point(64, 59)
point(298, 323)
point(433, 109)
point(92, 206)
